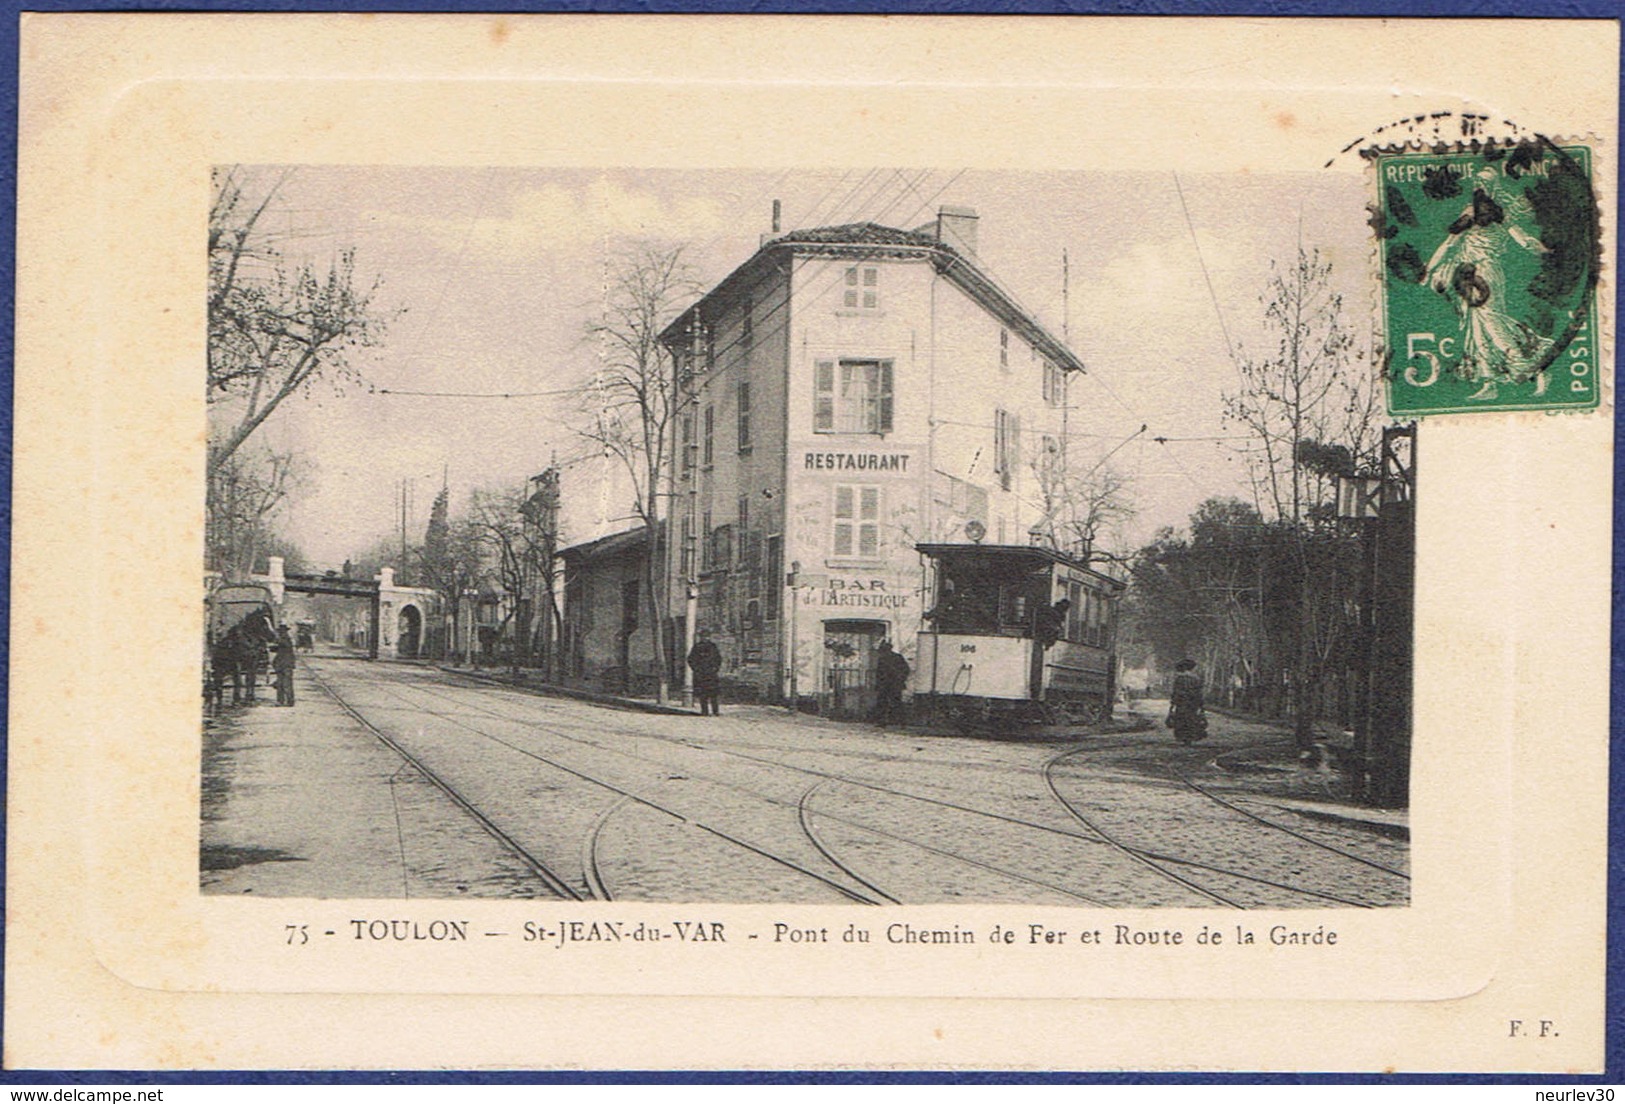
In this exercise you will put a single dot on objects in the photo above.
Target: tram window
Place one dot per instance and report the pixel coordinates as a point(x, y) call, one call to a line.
point(1015, 611)
point(1074, 615)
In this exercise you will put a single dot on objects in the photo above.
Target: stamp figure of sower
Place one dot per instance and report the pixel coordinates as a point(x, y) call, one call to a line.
point(1501, 308)
point(1470, 269)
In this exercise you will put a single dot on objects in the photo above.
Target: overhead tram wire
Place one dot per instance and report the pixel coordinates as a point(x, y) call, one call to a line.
point(835, 216)
point(813, 214)
point(830, 283)
point(1213, 295)
point(457, 262)
point(400, 392)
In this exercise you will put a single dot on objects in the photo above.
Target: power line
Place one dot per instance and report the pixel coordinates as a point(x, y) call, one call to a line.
point(1207, 279)
point(478, 394)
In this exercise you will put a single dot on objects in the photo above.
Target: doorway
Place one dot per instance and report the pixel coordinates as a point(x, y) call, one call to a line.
point(408, 633)
point(848, 690)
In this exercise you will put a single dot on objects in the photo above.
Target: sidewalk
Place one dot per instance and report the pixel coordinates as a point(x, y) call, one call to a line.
point(530, 680)
point(307, 802)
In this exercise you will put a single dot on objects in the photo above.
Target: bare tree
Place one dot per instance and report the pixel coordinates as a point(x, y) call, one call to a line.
point(513, 553)
point(1080, 502)
point(1311, 408)
point(245, 494)
point(1310, 394)
point(1080, 506)
point(273, 328)
point(634, 397)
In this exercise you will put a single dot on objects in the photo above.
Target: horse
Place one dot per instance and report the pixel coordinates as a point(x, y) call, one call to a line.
point(239, 652)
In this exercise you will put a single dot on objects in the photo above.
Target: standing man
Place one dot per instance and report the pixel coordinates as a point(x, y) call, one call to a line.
point(282, 664)
point(891, 675)
point(705, 660)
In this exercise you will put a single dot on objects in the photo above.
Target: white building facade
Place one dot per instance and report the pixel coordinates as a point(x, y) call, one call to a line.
point(850, 391)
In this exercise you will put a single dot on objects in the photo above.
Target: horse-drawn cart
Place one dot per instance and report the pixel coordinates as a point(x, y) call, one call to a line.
point(240, 627)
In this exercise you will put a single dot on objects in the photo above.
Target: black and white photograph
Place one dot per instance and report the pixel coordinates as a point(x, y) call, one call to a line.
point(886, 536)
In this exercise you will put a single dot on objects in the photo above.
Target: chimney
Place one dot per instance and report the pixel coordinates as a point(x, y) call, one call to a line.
point(763, 239)
point(956, 226)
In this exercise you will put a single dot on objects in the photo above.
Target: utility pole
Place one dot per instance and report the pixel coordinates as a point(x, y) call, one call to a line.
point(792, 582)
point(1062, 380)
point(689, 558)
point(541, 514)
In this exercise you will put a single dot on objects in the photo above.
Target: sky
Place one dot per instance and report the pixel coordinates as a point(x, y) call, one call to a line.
point(491, 276)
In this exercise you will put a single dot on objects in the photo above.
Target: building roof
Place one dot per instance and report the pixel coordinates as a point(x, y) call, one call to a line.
point(871, 240)
point(1018, 556)
point(614, 544)
point(856, 233)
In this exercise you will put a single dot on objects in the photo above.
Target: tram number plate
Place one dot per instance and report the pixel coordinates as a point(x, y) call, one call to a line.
point(963, 648)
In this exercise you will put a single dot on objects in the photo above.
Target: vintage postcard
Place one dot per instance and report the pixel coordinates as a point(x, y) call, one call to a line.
point(875, 538)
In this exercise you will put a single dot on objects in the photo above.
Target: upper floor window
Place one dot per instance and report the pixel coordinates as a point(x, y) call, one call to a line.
point(852, 396)
point(1054, 384)
point(1006, 446)
point(862, 288)
point(706, 447)
point(1004, 350)
point(719, 548)
point(857, 521)
point(686, 441)
point(1051, 455)
point(744, 416)
point(747, 332)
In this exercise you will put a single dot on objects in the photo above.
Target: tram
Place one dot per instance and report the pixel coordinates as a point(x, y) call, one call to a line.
point(1017, 636)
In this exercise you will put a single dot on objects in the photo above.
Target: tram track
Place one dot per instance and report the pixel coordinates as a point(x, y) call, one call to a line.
point(1226, 872)
point(802, 809)
point(1137, 856)
point(536, 865)
point(1145, 856)
point(806, 813)
point(1210, 795)
point(592, 871)
point(803, 817)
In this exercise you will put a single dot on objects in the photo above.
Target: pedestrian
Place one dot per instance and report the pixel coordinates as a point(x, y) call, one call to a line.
point(891, 675)
point(282, 664)
point(1185, 715)
point(705, 660)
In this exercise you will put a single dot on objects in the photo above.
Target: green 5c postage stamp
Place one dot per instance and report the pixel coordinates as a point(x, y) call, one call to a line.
point(1489, 271)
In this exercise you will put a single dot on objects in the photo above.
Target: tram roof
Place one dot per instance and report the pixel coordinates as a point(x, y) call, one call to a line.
point(1025, 555)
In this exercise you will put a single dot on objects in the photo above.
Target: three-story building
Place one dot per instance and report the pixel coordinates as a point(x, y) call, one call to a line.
point(849, 391)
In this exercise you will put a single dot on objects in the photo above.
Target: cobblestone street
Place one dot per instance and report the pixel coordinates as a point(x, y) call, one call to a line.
point(394, 780)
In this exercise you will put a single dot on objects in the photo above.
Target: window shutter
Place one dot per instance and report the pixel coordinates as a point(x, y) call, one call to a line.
point(1013, 440)
point(824, 396)
point(885, 417)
